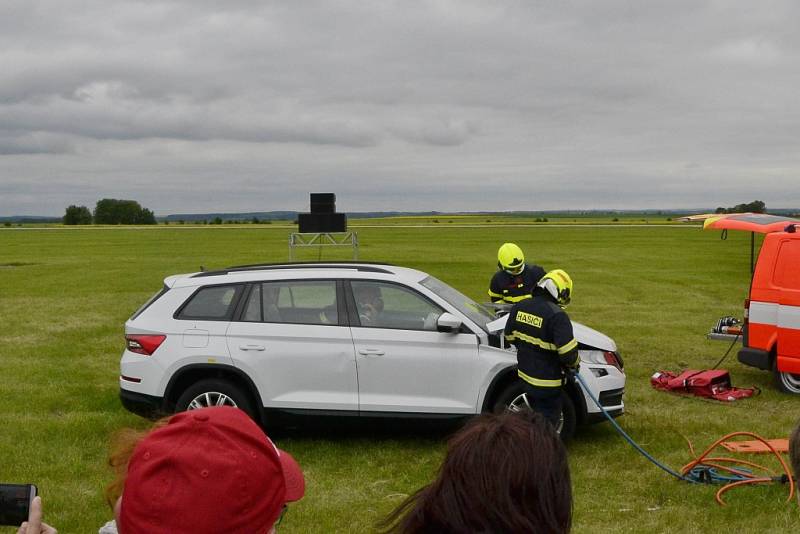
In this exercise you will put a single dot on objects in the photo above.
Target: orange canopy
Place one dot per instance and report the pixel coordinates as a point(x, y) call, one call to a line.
point(751, 222)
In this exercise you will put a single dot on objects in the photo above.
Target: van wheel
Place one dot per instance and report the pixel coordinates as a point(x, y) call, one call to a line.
point(787, 382)
point(513, 399)
point(214, 392)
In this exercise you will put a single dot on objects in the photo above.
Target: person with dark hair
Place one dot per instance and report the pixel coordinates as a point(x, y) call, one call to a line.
point(369, 303)
point(503, 474)
point(202, 471)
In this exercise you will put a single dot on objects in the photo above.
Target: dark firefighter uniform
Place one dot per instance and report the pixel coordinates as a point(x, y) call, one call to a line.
point(542, 333)
point(512, 288)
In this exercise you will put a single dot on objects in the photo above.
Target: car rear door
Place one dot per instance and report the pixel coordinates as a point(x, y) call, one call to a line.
point(291, 338)
point(404, 363)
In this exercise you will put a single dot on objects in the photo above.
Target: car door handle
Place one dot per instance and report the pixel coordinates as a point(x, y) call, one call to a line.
point(371, 352)
point(251, 347)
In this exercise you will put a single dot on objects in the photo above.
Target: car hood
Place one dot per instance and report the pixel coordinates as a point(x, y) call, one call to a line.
point(583, 334)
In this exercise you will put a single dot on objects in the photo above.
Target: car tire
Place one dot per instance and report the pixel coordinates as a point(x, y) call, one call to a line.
point(215, 392)
point(512, 399)
point(786, 382)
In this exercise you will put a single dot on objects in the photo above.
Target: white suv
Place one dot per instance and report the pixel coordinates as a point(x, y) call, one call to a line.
point(359, 339)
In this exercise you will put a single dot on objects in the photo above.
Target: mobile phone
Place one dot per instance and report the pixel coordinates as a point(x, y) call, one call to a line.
point(15, 503)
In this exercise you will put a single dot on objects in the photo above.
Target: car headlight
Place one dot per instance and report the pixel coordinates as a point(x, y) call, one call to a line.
point(601, 357)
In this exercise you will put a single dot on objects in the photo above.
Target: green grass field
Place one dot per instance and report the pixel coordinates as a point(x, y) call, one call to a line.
point(66, 293)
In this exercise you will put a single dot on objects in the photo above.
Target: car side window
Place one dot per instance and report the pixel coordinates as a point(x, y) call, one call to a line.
point(295, 302)
point(213, 303)
point(382, 305)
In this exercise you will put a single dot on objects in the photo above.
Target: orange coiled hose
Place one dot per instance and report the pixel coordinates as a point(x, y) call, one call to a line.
point(717, 462)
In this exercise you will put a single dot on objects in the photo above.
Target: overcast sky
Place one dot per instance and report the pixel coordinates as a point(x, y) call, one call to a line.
point(199, 105)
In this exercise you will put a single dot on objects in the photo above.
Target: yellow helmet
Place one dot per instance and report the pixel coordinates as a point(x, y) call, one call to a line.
point(559, 285)
point(510, 258)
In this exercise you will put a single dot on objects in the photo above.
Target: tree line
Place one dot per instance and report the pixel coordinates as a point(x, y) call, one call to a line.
point(756, 206)
point(110, 211)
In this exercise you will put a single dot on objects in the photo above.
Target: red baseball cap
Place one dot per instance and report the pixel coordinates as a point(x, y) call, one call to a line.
point(206, 471)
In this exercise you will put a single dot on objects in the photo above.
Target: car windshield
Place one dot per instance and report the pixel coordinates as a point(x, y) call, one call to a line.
point(476, 312)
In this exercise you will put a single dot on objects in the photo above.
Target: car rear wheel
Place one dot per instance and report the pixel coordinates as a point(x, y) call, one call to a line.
point(214, 392)
point(787, 382)
point(513, 399)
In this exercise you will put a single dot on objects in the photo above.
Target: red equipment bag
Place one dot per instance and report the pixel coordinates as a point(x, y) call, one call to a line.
point(711, 384)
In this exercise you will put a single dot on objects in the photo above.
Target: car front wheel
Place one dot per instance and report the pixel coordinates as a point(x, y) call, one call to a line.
point(214, 392)
point(513, 399)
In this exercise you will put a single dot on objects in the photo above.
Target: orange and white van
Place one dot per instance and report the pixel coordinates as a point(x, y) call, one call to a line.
point(771, 333)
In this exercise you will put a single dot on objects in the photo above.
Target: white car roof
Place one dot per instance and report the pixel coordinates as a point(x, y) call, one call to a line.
point(249, 273)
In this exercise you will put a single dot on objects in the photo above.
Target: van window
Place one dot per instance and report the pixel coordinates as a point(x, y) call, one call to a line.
point(787, 273)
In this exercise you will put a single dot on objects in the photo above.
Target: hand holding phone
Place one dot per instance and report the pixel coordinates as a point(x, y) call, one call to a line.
point(19, 506)
point(34, 524)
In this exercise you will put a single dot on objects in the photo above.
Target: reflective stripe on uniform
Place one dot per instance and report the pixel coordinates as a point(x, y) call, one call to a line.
point(541, 382)
point(516, 334)
point(567, 347)
point(493, 294)
point(508, 298)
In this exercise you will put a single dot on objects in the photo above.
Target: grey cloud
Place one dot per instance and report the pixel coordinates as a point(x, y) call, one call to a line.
point(34, 143)
point(612, 101)
point(102, 116)
point(443, 132)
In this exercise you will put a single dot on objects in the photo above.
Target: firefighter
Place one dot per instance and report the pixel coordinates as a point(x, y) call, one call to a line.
point(515, 279)
point(546, 346)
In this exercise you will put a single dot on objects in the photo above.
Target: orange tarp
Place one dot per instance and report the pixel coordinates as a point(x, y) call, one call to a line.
point(750, 222)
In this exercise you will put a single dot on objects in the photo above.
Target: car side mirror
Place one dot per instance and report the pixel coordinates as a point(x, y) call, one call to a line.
point(448, 322)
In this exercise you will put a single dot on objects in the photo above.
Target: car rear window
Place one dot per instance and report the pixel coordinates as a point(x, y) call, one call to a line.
point(213, 303)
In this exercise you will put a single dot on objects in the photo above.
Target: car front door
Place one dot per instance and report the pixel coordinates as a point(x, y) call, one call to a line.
point(404, 363)
point(292, 339)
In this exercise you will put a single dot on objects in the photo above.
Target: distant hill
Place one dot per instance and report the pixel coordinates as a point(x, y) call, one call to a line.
point(247, 216)
point(30, 219)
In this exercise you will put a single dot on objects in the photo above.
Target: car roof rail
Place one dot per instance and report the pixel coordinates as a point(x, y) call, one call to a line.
point(354, 265)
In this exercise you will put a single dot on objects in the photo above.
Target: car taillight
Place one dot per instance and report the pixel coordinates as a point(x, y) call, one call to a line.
point(612, 358)
point(144, 344)
point(746, 309)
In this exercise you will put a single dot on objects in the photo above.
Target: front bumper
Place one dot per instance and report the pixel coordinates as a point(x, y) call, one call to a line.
point(606, 383)
point(610, 400)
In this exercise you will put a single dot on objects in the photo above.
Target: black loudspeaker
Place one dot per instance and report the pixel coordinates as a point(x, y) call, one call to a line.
point(323, 203)
point(323, 207)
point(323, 198)
point(314, 223)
